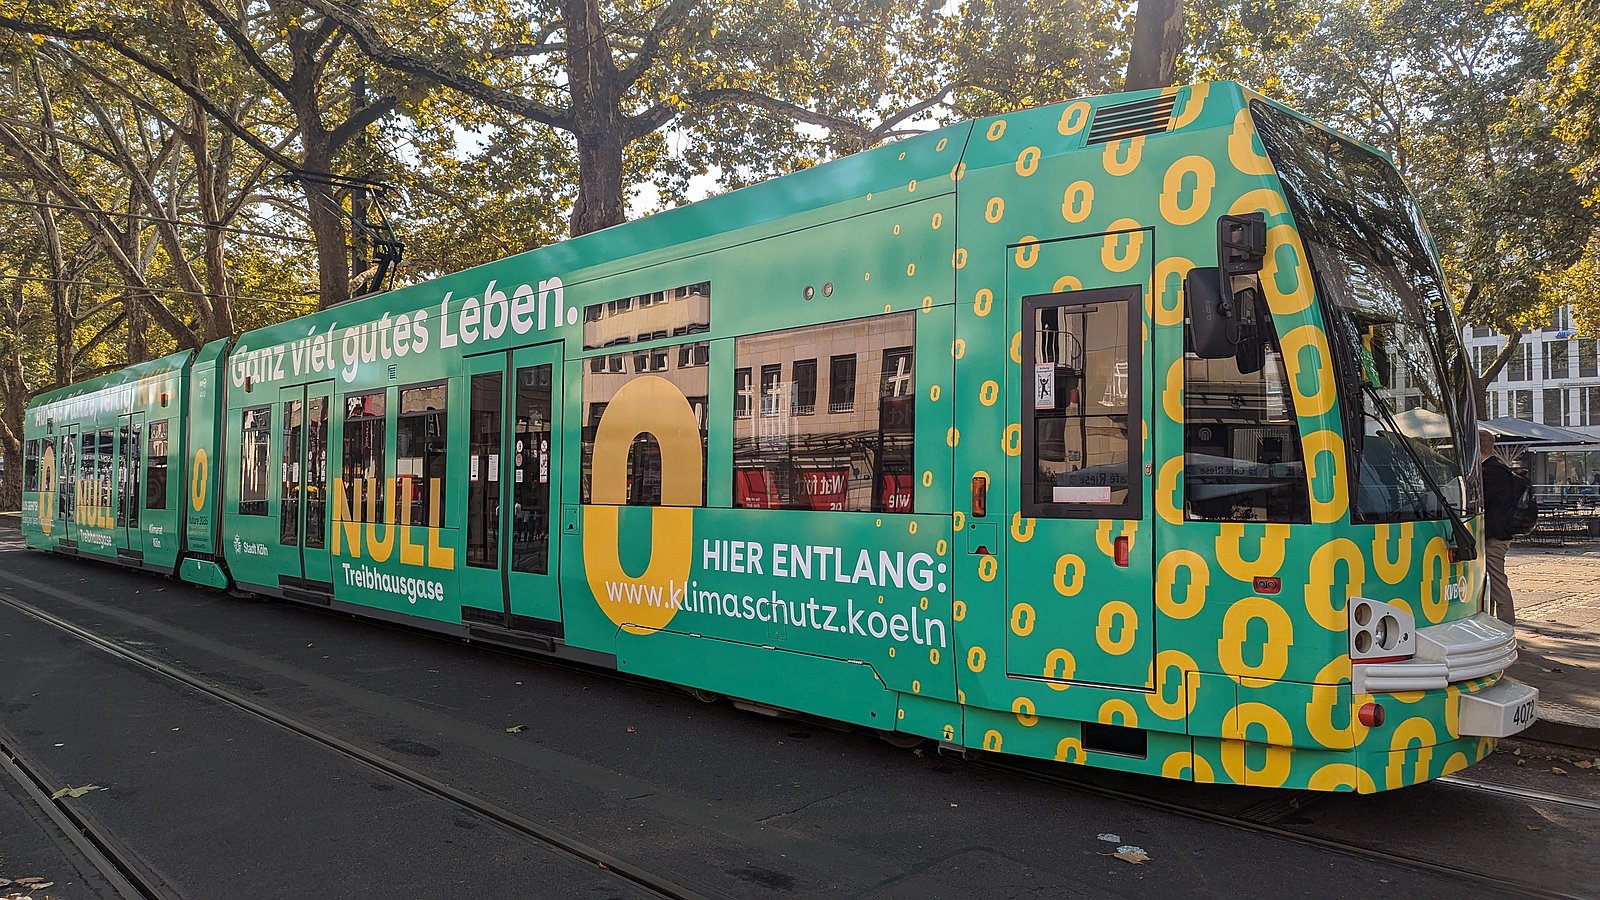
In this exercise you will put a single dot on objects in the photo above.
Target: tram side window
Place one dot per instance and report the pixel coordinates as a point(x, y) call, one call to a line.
point(89, 478)
point(129, 448)
point(855, 453)
point(483, 470)
point(1241, 456)
point(155, 472)
point(530, 470)
point(639, 483)
point(253, 455)
point(66, 491)
point(420, 436)
point(1081, 415)
point(365, 444)
point(30, 466)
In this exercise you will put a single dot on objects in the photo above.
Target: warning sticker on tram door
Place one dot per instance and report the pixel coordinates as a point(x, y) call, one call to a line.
point(1044, 385)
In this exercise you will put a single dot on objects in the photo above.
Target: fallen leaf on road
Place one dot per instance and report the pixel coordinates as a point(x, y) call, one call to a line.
point(29, 881)
point(1130, 853)
point(1584, 764)
point(1522, 762)
point(516, 729)
point(1558, 770)
point(72, 792)
point(955, 806)
point(1534, 828)
point(1111, 838)
point(632, 730)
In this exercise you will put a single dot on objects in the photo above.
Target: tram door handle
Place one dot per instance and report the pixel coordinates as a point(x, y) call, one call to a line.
point(980, 496)
point(1120, 546)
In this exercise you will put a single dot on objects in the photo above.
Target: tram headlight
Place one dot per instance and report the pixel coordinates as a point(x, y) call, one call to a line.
point(1380, 630)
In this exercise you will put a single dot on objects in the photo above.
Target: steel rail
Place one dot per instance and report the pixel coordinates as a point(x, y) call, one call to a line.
point(1466, 876)
point(1522, 793)
point(514, 822)
point(124, 876)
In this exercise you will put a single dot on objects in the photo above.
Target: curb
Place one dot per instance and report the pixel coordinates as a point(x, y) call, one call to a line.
point(1563, 733)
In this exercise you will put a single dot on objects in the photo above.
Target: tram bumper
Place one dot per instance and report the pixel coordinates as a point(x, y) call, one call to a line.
point(1501, 710)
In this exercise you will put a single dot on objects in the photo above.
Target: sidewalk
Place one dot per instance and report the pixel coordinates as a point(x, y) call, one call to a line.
point(1557, 593)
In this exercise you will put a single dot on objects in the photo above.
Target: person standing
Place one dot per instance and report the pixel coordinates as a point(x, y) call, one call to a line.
point(1499, 496)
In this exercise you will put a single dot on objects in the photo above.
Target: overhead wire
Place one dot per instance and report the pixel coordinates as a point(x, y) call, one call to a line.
point(40, 204)
point(310, 297)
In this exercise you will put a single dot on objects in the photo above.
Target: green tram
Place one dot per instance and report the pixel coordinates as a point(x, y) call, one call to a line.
point(1132, 432)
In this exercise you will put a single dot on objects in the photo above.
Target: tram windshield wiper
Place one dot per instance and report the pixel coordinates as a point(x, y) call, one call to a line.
point(1464, 544)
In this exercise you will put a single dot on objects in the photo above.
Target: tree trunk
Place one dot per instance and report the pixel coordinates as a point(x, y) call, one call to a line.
point(327, 224)
point(1157, 41)
point(1482, 380)
point(599, 125)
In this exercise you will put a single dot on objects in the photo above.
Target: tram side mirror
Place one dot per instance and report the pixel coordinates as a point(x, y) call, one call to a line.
point(1220, 300)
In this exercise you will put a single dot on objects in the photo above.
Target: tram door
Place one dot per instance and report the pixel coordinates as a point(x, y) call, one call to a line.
point(513, 479)
point(129, 481)
point(303, 500)
point(67, 469)
point(1080, 554)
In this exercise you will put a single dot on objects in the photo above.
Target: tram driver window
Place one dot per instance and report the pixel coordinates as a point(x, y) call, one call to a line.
point(1081, 410)
point(253, 474)
point(1242, 459)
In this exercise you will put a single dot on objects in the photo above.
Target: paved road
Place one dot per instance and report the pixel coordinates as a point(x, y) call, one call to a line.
point(1557, 593)
point(724, 801)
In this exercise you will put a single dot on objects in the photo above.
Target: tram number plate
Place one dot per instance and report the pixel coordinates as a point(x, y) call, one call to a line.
point(1525, 713)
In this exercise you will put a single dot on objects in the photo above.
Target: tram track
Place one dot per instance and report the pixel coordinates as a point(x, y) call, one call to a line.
point(131, 883)
point(1264, 825)
point(126, 877)
point(1262, 818)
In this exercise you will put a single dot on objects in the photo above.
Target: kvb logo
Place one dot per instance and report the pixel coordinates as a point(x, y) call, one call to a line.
point(648, 404)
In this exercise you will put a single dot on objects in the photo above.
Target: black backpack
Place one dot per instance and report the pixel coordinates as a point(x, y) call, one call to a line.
point(1524, 513)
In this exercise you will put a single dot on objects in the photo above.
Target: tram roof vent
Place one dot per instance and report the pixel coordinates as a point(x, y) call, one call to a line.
point(1125, 120)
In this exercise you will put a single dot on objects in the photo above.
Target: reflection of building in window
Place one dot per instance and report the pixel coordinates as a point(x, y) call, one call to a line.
point(686, 367)
point(420, 452)
point(253, 473)
point(805, 387)
point(743, 393)
point(854, 454)
point(842, 383)
point(365, 433)
point(646, 317)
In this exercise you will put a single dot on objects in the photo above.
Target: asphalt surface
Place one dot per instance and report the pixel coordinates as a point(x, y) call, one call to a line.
point(221, 803)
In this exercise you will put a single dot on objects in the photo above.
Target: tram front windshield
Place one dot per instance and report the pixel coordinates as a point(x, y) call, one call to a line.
point(1403, 378)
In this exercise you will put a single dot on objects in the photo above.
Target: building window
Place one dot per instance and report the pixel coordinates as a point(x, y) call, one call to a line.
point(1520, 367)
point(1521, 404)
point(743, 394)
point(1587, 358)
point(366, 435)
point(253, 474)
point(1591, 404)
point(848, 457)
point(421, 435)
point(1555, 359)
point(1555, 406)
point(804, 402)
point(842, 383)
point(772, 390)
point(1493, 399)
